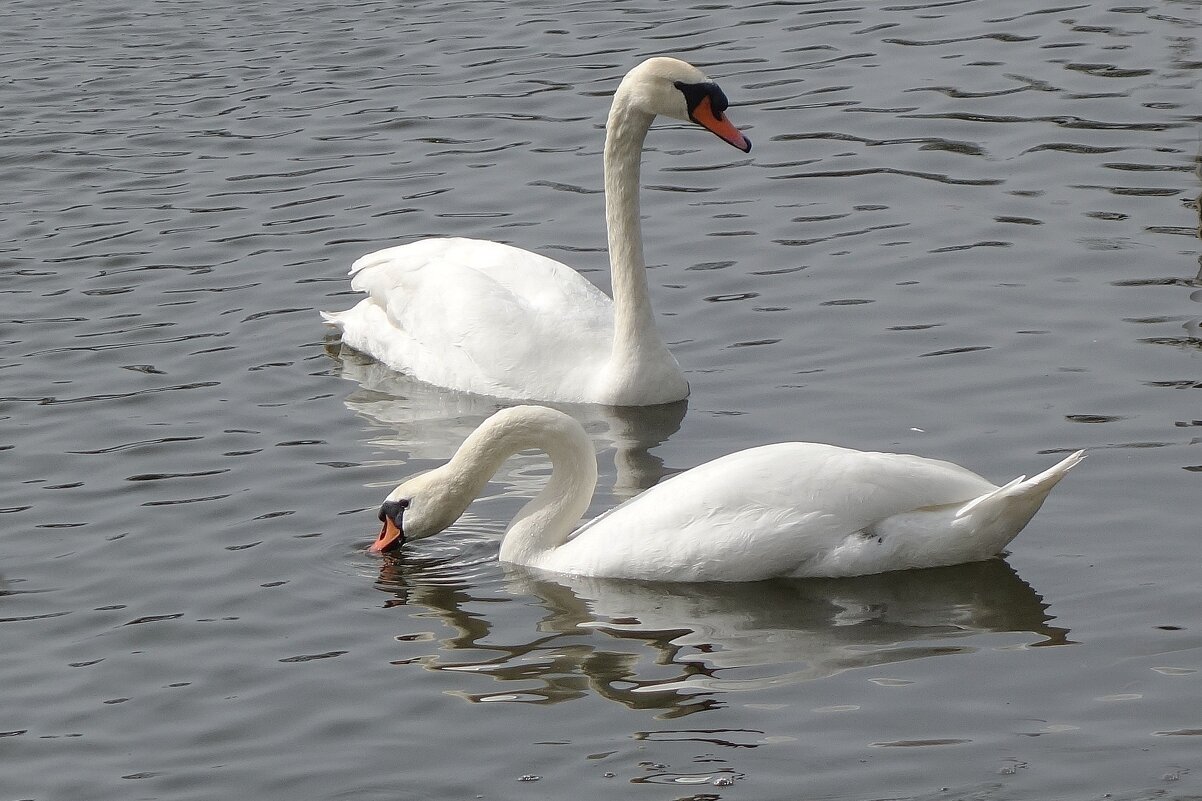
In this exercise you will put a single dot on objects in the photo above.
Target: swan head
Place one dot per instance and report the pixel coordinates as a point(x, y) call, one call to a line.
point(421, 507)
point(674, 88)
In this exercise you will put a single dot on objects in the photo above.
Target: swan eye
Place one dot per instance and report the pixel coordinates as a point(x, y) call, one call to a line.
point(389, 510)
point(695, 93)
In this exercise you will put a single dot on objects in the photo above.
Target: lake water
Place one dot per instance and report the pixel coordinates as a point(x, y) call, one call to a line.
point(967, 230)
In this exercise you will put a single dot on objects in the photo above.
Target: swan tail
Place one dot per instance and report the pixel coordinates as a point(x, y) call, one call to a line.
point(370, 260)
point(1009, 508)
point(333, 318)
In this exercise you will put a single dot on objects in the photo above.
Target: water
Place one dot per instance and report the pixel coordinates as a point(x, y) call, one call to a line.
point(967, 230)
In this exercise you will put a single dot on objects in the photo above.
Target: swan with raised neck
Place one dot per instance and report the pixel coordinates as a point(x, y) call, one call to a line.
point(789, 509)
point(492, 319)
point(639, 356)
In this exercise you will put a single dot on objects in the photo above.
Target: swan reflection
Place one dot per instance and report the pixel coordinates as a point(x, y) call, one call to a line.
point(679, 647)
point(426, 422)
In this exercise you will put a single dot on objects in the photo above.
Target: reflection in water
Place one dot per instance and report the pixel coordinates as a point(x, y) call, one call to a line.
point(430, 423)
point(675, 647)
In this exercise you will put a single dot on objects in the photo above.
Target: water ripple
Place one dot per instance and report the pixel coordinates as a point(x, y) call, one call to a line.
point(194, 466)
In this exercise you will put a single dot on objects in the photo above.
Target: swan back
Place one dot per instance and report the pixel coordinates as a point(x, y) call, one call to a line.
point(482, 317)
point(759, 513)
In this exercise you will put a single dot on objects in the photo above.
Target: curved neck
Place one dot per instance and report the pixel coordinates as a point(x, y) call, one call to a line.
point(546, 521)
point(635, 335)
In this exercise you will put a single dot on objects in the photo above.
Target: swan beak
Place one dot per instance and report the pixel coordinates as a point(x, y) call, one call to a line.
point(390, 537)
point(703, 114)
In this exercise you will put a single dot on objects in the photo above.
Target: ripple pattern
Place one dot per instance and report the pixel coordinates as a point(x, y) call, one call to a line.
point(968, 230)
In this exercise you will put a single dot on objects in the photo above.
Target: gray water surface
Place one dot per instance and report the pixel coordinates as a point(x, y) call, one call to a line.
point(967, 230)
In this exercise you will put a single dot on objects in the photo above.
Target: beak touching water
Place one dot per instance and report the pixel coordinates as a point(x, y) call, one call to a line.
point(704, 115)
point(391, 537)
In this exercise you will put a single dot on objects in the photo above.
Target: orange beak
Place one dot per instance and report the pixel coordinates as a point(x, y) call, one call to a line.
point(390, 537)
point(703, 114)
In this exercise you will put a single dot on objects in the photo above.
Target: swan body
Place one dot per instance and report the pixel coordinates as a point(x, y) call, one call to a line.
point(791, 509)
point(492, 319)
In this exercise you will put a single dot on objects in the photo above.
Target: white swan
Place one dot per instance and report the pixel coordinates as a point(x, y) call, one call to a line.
point(489, 318)
point(790, 509)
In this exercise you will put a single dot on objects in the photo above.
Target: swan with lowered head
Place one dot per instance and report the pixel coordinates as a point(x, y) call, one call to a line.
point(789, 509)
point(488, 318)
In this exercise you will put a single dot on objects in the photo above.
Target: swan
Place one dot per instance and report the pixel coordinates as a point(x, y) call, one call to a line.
point(489, 318)
point(793, 509)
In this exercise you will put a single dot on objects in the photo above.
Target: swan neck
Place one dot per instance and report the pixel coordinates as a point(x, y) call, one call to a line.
point(634, 322)
point(546, 521)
